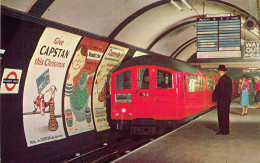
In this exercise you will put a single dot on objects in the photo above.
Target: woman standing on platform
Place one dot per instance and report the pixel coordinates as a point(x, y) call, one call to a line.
point(257, 91)
point(245, 91)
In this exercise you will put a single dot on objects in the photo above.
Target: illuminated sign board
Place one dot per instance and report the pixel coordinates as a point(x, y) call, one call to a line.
point(219, 37)
point(252, 50)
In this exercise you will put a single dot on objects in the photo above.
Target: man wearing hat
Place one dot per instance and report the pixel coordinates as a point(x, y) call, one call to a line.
point(222, 94)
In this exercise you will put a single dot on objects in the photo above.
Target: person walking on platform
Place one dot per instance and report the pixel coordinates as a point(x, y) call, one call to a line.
point(257, 91)
point(252, 91)
point(222, 94)
point(244, 98)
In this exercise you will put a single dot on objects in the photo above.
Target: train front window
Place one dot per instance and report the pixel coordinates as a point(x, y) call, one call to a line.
point(143, 78)
point(123, 80)
point(164, 79)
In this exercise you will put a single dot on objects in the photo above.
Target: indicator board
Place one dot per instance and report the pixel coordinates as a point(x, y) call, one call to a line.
point(219, 37)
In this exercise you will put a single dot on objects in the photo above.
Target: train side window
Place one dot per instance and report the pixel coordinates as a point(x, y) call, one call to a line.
point(199, 83)
point(123, 80)
point(164, 79)
point(143, 78)
point(210, 83)
point(191, 83)
point(195, 83)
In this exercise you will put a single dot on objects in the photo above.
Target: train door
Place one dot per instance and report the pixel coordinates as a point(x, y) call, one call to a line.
point(210, 88)
point(142, 93)
point(188, 95)
point(182, 81)
point(194, 96)
point(164, 94)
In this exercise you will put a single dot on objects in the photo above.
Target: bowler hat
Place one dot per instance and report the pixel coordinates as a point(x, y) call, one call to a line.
point(222, 68)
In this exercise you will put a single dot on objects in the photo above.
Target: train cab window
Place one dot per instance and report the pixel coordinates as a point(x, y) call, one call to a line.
point(164, 79)
point(143, 78)
point(195, 83)
point(210, 83)
point(123, 80)
point(191, 83)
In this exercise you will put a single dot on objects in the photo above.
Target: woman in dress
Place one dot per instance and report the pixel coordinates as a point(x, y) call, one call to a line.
point(257, 91)
point(244, 98)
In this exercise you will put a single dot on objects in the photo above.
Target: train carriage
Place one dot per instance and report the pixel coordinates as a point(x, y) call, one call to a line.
point(149, 93)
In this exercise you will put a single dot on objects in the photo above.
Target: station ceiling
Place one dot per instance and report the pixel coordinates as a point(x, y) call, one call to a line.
point(153, 25)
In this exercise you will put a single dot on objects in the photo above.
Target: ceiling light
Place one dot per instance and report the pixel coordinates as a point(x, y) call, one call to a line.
point(186, 3)
point(176, 5)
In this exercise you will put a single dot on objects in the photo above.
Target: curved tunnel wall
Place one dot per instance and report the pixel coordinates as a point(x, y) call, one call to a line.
point(38, 52)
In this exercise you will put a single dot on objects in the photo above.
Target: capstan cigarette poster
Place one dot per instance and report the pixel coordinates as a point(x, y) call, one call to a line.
point(42, 97)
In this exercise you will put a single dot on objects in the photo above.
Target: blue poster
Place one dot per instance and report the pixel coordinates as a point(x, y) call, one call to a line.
point(43, 80)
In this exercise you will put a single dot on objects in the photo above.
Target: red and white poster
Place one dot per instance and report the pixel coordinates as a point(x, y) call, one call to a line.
point(10, 81)
point(42, 98)
point(79, 81)
point(112, 58)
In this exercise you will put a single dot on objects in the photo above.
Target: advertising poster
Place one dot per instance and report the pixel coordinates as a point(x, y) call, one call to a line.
point(10, 81)
point(112, 58)
point(78, 89)
point(42, 97)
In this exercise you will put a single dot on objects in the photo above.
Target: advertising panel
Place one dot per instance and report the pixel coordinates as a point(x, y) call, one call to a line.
point(42, 97)
point(79, 82)
point(10, 81)
point(113, 57)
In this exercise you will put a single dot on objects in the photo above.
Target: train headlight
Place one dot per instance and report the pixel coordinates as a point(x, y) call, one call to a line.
point(130, 114)
point(123, 110)
point(117, 115)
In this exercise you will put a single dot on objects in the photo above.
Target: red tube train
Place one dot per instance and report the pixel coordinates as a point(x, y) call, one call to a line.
point(149, 94)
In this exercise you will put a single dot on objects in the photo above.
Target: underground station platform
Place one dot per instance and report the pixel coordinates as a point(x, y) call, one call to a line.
point(197, 142)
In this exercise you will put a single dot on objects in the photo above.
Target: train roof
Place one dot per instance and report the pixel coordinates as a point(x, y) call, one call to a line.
point(204, 71)
point(215, 73)
point(161, 61)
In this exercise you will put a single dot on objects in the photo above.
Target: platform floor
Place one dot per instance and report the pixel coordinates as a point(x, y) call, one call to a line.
point(197, 142)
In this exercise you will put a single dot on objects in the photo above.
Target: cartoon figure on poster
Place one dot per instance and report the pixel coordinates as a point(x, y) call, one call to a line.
point(44, 101)
point(77, 93)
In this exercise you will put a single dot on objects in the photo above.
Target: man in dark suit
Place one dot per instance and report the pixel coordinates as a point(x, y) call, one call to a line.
point(222, 94)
